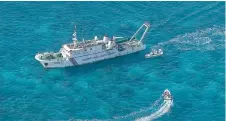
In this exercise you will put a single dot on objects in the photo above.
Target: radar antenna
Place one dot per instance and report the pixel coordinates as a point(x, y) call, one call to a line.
point(147, 26)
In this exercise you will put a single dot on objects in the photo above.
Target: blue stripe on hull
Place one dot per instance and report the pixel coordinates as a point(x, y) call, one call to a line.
point(73, 61)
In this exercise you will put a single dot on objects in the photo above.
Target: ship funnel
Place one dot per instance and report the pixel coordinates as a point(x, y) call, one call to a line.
point(147, 26)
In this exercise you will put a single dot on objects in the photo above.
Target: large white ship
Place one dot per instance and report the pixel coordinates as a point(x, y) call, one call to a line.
point(90, 51)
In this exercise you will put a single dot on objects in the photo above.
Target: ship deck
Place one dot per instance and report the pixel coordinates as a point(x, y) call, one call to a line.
point(88, 43)
point(91, 43)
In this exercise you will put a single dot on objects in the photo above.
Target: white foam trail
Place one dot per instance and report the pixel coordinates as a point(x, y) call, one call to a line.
point(155, 104)
point(162, 110)
point(130, 116)
point(202, 40)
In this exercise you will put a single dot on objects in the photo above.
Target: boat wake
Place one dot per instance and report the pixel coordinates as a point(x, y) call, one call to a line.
point(164, 108)
point(201, 40)
point(133, 115)
point(156, 110)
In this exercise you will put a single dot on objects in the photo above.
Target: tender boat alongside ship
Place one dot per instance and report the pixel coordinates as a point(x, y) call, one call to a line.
point(154, 53)
point(90, 51)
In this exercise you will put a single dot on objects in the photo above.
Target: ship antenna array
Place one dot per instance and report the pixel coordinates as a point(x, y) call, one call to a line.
point(147, 26)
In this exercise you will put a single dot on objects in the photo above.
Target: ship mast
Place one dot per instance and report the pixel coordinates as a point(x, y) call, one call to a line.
point(83, 34)
point(147, 26)
point(75, 37)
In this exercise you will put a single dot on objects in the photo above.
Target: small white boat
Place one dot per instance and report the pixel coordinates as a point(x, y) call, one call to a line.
point(167, 95)
point(154, 53)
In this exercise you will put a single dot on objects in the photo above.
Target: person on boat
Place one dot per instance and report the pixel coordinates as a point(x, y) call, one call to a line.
point(160, 51)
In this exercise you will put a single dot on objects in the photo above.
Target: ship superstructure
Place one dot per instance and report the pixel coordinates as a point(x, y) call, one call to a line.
point(90, 51)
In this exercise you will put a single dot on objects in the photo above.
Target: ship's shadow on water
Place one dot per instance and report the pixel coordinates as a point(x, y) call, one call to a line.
point(108, 64)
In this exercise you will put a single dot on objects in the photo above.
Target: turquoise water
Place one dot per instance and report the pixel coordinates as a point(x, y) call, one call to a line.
point(192, 68)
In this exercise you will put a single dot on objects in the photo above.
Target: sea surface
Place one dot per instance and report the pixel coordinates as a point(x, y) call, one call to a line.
point(191, 34)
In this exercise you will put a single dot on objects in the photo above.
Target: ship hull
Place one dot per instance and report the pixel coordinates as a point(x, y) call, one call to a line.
point(92, 58)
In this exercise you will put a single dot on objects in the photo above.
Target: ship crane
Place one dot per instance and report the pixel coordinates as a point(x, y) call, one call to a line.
point(147, 26)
